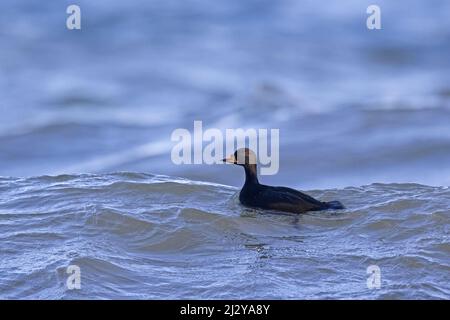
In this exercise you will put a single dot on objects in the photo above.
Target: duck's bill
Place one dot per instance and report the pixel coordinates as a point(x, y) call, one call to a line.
point(230, 159)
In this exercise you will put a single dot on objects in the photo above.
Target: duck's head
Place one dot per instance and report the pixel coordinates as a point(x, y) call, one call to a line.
point(242, 157)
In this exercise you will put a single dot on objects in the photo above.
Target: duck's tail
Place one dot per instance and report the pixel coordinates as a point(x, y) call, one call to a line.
point(336, 205)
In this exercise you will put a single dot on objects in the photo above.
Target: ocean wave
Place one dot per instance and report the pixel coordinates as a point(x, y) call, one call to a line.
point(137, 235)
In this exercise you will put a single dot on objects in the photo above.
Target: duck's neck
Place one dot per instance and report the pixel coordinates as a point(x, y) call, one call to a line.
point(251, 176)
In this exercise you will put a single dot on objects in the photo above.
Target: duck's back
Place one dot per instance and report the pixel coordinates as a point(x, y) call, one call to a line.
point(279, 198)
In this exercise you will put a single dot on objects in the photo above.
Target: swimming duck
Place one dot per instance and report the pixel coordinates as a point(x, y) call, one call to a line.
point(256, 195)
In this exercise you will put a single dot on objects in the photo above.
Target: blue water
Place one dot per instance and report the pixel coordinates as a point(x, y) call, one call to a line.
point(143, 236)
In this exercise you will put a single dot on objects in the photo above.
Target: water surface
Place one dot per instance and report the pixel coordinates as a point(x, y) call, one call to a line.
point(154, 237)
